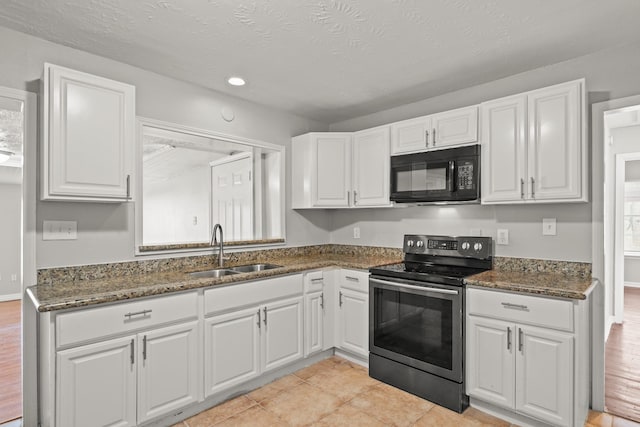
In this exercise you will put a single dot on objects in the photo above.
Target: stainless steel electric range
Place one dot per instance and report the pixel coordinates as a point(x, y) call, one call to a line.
point(416, 316)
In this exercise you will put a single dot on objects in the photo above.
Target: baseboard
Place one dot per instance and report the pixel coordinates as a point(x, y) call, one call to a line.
point(10, 297)
point(632, 284)
point(607, 328)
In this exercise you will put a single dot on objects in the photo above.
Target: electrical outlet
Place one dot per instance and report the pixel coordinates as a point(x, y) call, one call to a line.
point(195, 220)
point(356, 232)
point(14, 277)
point(503, 237)
point(549, 226)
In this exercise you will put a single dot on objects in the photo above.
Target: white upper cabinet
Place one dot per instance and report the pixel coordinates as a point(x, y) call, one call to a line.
point(444, 129)
point(340, 169)
point(534, 147)
point(455, 127)
point(88, 137)
point(410, 135)
point(371, 167)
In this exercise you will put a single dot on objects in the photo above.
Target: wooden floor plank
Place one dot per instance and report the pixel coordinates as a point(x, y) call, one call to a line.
point(622, 361)
point(10, 380)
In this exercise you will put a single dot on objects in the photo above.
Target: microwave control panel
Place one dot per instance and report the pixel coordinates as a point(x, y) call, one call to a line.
point(465, 175)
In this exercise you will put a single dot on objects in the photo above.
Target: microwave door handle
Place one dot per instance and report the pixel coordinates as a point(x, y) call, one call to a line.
point(452, 176)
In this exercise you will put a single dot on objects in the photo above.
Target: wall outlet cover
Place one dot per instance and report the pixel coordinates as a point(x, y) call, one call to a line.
point(549, 226)
point(502, 237)
point(356, 232)
point(59, 230)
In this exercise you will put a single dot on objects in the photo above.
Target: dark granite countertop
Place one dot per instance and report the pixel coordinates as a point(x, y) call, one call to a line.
point(551, 284)
point(64, 294)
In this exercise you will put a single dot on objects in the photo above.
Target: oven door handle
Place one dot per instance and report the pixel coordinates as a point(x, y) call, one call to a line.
point(417, 288)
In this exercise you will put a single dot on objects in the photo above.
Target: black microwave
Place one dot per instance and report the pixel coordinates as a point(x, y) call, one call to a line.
point(450, 175)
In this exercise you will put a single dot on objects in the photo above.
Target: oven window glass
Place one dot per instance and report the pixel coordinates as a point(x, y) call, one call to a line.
point(416, 326)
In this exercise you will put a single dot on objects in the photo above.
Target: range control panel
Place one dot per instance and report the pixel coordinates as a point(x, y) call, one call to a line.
point(465, 247)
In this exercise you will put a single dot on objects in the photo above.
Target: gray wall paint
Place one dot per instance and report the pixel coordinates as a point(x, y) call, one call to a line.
point(609, 74)
point(106, 231)
point(632, 169)
point(10, 226)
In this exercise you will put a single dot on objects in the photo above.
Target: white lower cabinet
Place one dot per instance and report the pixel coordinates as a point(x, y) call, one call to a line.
point(168, 372)
point(353, 312)
point(96, 384)
point(128, 380)
point(314, 322)
point(232, 349)
point(517, 366)
point(243, 342)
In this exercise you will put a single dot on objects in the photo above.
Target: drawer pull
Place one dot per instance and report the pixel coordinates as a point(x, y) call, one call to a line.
point(138, 313)
point(515, 306)
point(317, 279)
point(508, 338)
point(353, 279)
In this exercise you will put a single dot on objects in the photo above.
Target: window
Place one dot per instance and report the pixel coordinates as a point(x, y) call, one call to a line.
point(632, 216)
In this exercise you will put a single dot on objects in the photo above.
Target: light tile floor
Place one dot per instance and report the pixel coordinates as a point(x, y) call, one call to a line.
point(336, 393)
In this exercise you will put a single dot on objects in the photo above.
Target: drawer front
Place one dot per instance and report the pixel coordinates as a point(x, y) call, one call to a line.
point(251, 293)
point(313, 281)
point(537, 311)
point(354, 279)
point(93, 323)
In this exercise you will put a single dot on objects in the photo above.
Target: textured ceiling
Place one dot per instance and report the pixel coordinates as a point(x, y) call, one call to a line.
point(331, 59)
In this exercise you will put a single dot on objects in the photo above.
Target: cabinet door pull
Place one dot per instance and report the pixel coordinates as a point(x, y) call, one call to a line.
point(340, 299)
point(265, 316)
point(144, 348)
point(128, 186)
point(520, 345)
point(352, 278)
point(533, 188)
point(348, 198)
point(521, 188)
point(508, 338)
point(138, 313)
point(131, 349)
point(514, 306)
point(355, 197)
point(426, 137)
point(322, 300)
point(434, 137)
point(258, 318)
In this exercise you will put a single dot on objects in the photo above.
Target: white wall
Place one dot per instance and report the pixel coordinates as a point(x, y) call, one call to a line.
point(632, 173)
point(632, 168)
point(609, 74)
point(10, 226)
point(105, 231)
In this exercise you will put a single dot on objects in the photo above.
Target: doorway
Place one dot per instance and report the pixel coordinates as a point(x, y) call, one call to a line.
point(616, 358)
point(18, 114)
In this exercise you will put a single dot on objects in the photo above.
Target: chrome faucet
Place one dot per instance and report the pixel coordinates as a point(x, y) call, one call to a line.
point(214, 241)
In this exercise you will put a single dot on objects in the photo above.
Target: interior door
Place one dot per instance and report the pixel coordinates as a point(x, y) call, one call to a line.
point(232, 196)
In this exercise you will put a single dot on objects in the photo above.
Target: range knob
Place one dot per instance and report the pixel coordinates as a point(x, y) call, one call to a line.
point(466, 245)
point(477, 246)
point(420, 244)
point(410, 243)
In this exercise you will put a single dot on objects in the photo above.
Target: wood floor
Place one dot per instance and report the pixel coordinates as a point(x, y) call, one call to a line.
point(622, 361)
point(10, 381)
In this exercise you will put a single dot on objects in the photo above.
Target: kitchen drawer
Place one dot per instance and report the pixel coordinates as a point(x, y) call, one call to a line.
point(251, 293)
point(526, 309)
point(313, 281)
point(353, 279)
point(93, 323)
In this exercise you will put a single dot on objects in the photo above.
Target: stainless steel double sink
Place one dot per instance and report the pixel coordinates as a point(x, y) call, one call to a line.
point(221, 272)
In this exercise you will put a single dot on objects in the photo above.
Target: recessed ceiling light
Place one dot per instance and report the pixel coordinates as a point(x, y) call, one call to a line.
point(236, 81)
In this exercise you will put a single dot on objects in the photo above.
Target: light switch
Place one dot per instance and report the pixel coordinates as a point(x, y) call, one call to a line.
point(59, 230)
point(503, 237)
point(549, 226)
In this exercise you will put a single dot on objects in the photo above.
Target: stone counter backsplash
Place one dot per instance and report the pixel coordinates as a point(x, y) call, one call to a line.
point(201, 262)
point(531, 265)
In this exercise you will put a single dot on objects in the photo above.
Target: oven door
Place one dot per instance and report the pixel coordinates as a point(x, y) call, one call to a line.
point(418, 324)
